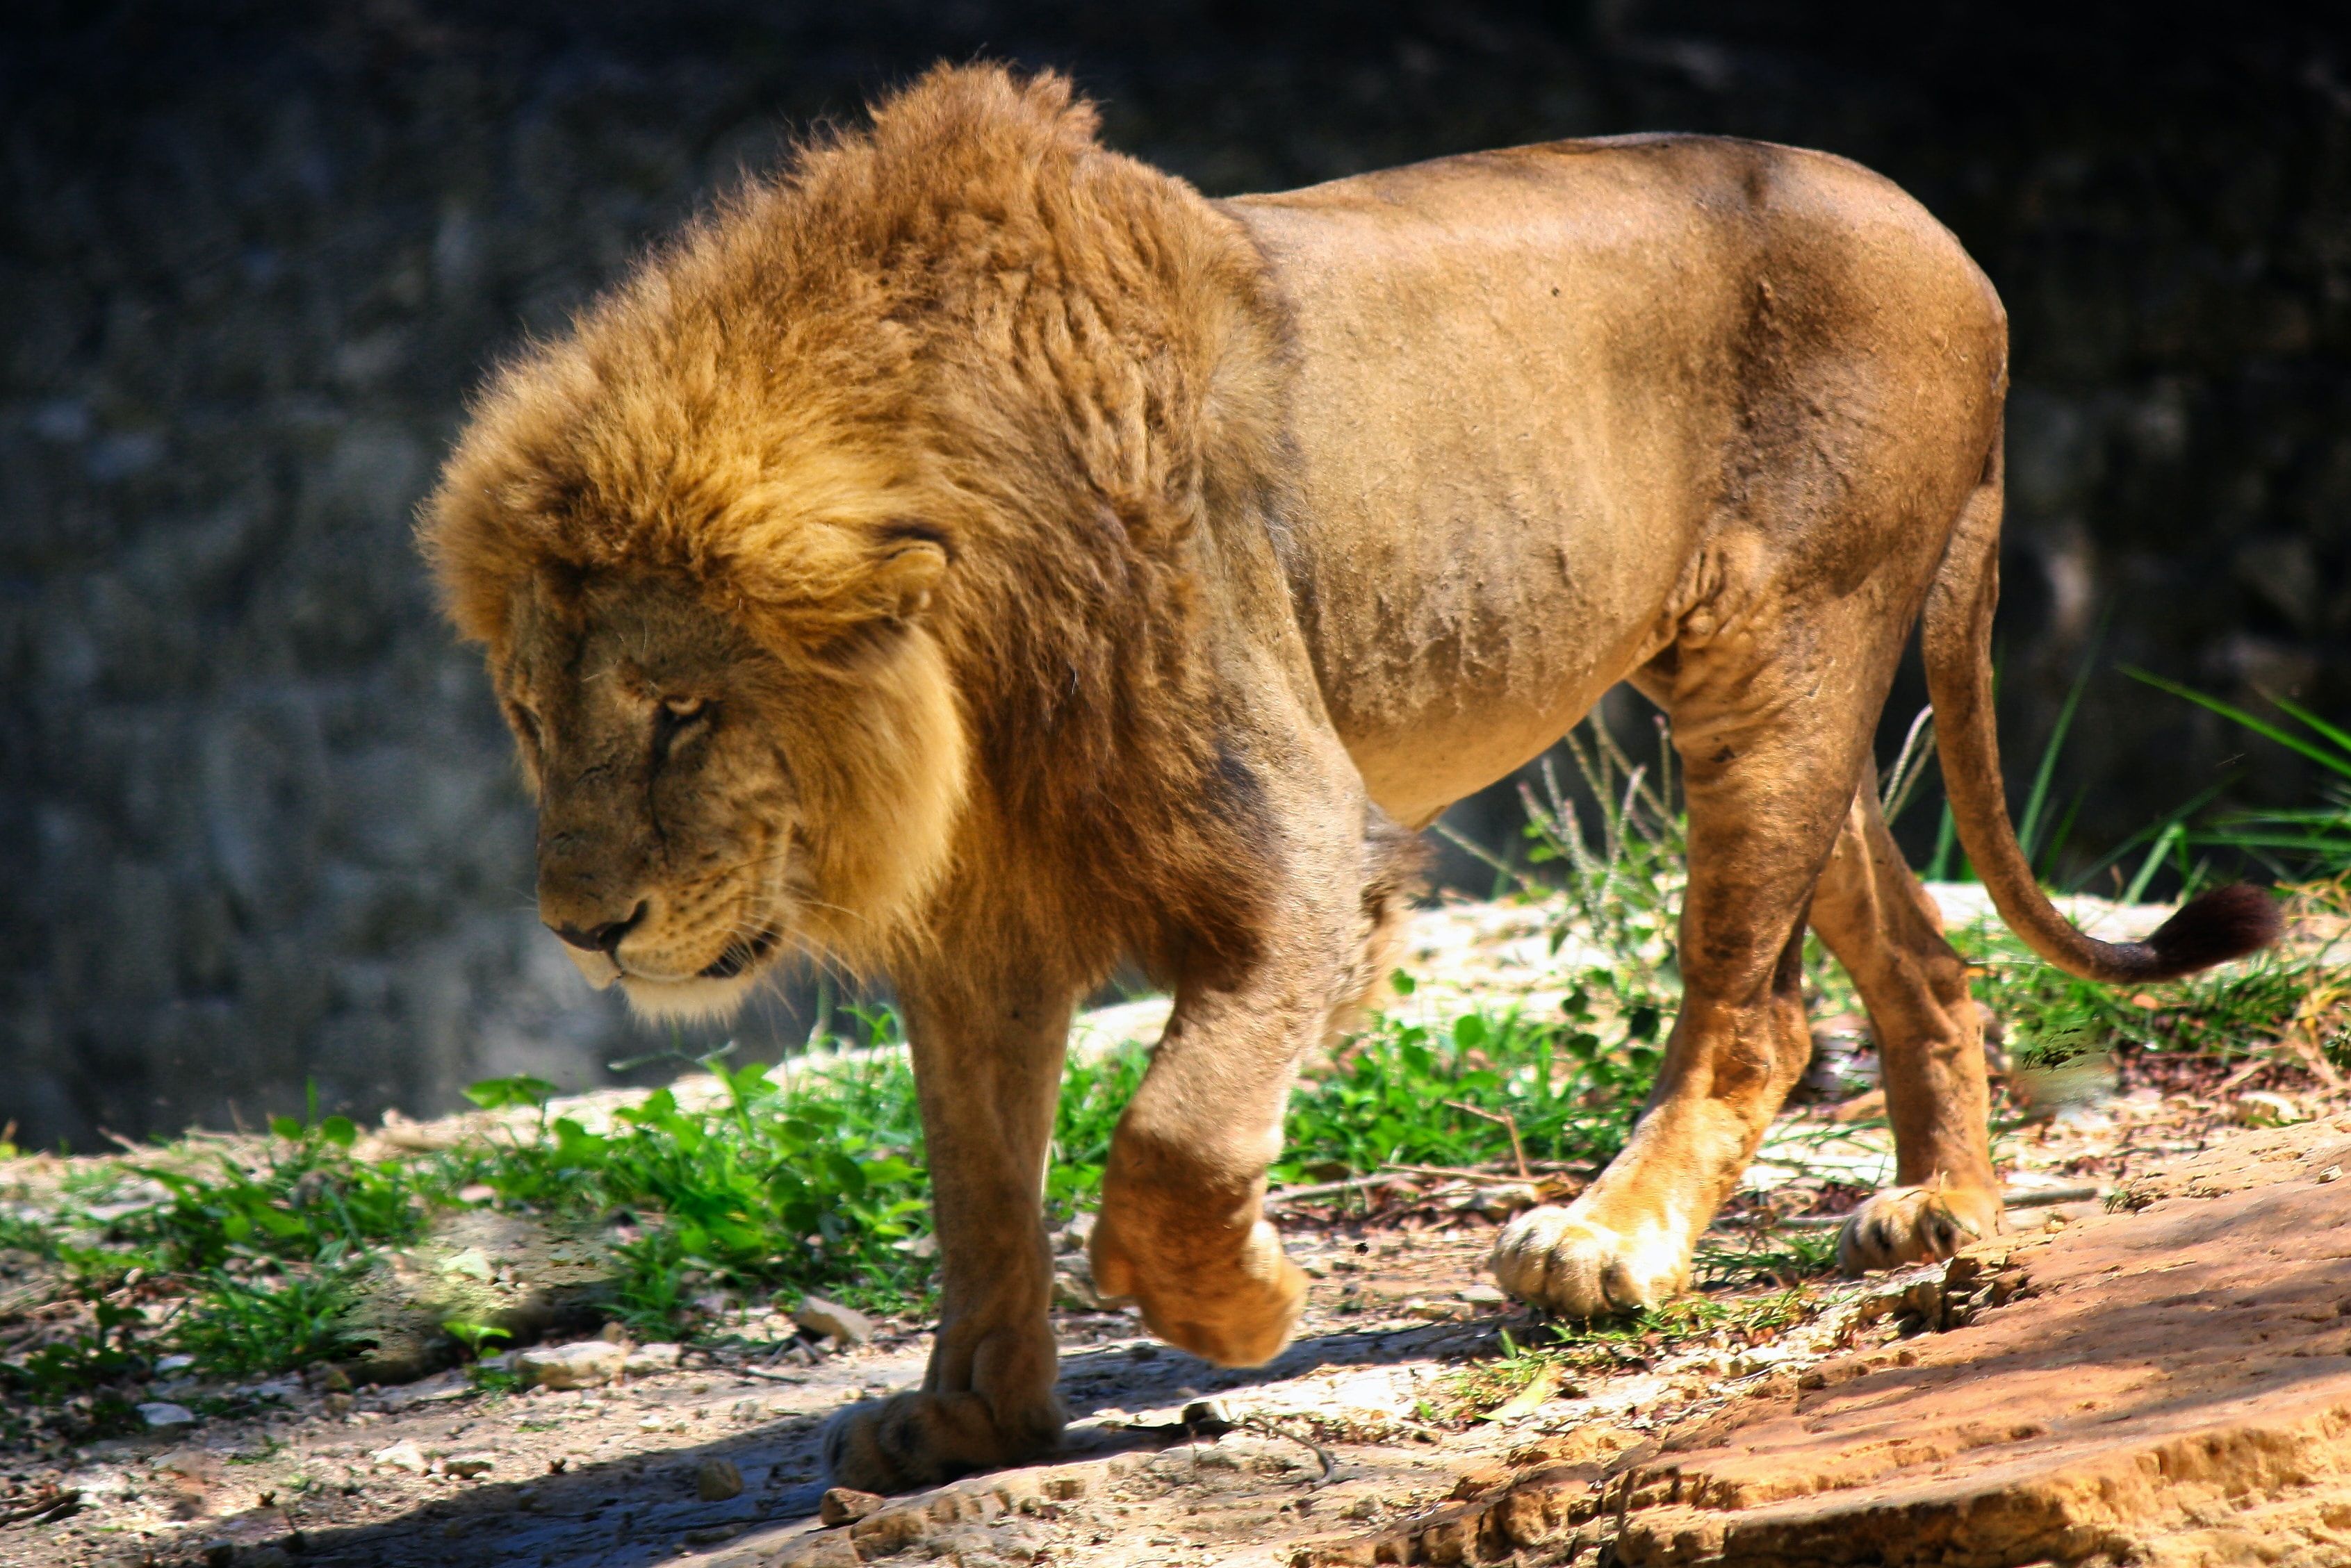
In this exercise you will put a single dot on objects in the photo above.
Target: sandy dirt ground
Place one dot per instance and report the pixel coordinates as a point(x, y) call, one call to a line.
point(1381, 1434)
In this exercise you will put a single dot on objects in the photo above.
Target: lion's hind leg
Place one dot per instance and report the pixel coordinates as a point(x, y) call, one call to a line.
point(1770, 765)
point(1885, 929)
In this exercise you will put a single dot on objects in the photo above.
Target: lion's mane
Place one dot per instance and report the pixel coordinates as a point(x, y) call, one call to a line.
point(968, 331)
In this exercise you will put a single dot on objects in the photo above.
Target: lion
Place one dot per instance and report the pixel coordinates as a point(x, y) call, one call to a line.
point(971, 555)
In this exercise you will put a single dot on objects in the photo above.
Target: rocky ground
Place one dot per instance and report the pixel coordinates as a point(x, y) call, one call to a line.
point(2154, 1367)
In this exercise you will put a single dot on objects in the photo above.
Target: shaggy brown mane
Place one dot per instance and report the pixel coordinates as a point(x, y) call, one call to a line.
point(968, 325)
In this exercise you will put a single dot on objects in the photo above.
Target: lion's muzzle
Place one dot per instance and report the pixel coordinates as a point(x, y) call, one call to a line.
point(600, 938)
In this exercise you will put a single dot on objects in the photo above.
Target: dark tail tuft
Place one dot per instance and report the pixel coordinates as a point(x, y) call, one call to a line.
point(2223, 924)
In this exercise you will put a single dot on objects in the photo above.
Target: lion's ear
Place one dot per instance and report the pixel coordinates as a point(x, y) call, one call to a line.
point(839, 593)
point(902, 583)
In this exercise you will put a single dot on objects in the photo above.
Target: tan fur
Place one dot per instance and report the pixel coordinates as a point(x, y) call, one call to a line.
point(973, 555)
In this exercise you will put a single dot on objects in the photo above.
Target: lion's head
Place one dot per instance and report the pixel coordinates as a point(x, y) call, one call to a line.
point(692, 538)
point(872, 496)
point(709, 800)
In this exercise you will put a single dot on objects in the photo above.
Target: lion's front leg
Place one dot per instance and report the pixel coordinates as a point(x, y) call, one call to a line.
point(988, 1067)
point(1181, 1231)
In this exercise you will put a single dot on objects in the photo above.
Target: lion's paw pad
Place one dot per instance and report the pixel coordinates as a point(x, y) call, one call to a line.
point(1240, 1314)
point(1914, 1224)
point(1569, 1266)
point(912, 1441)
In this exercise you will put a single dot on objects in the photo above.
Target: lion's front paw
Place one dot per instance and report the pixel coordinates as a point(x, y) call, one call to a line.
point(1912, 1224)
point(911, 1440)
point(1236, 1315)
point(1567, 1264)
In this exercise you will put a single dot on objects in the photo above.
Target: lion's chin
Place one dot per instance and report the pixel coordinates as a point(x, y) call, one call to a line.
point(694, 1001)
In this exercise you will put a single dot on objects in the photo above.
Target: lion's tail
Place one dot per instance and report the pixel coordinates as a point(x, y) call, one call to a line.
point(2225, 923)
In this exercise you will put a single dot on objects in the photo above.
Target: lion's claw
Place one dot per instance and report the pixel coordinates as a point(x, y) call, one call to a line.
point(1556, 1260)
point(1913, 1224)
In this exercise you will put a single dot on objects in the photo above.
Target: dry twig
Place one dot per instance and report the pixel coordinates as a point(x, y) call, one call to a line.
point(1510, 1125)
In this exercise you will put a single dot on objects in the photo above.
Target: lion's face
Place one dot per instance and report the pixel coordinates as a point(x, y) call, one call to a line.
point(706, 806)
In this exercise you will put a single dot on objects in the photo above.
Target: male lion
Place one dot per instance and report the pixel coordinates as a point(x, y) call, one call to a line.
point(975, 556)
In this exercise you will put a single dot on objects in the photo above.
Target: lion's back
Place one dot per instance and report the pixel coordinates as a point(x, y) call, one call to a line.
point(1529, 379)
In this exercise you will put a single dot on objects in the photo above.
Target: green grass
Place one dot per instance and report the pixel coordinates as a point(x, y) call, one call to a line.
point(803, 1178)
point(1561, 1351)
point(2312, 844)
point(807, 1176)
point(2052, 1018)
point(1777, 1256)
point(1570, 1086)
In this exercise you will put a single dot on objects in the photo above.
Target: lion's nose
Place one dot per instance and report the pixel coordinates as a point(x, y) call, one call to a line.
point(604, 938)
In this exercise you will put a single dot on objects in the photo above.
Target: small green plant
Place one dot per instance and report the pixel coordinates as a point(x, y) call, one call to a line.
point(1562, 1089)
point(1521, 1376)
point(803, 1177)
point(1780, 1256)
point(491, 1378)
point(307, 1194)
point(270, 1319)
point(1527, 1373)
point(473, 1336)
point(2053, 1019)
point(270, 1449)
point(1620, 885)
point(1094, 1093)
point(102, 1352)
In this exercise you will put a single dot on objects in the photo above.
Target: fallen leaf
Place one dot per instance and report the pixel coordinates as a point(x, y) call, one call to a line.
point(1529, 1399)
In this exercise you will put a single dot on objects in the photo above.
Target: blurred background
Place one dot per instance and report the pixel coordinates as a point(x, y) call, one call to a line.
point(259, 826)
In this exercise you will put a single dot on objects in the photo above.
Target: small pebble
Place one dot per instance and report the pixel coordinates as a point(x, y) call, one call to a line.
point(845, 1505)
point(716, 1481)
point(586, 1365)
point(401, 1455)
point(647, 1360)
point(833, 1320)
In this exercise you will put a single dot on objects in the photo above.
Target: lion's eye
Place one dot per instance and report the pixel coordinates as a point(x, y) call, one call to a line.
point(683, 710)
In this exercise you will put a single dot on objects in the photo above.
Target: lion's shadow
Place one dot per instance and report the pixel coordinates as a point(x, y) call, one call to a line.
point(639, 1510)
point(1119, 1377)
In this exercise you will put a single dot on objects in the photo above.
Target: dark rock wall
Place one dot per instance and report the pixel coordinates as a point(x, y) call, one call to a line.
point(258, 826)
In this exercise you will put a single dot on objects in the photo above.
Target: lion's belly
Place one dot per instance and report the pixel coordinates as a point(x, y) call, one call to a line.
point(1468, 631)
